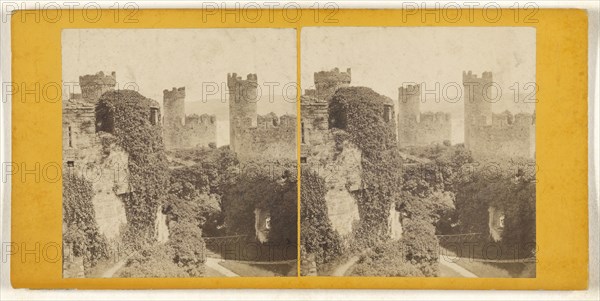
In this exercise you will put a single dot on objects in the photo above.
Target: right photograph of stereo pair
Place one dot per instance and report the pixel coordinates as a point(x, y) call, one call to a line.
point(418, 152)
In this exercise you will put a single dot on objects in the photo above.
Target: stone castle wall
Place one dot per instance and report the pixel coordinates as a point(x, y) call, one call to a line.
point(314, 121)
point(341, 169)
point(93, 154)
point(181, 131)
point(490, 135)
point(242, 106)
point(254, 136)
point(327, 82)
point(504, 138)
point(478, 110)
point(94, 85)
point(272, 138)
point(416, 128)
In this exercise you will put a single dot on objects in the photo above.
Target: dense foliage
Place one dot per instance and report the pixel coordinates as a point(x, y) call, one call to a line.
point(155, 261)
point(387, 260)
point(316, 234)
point(126, 114)
point(514, 195)
point(359, 111)
point(276, 194)
point(81, 230)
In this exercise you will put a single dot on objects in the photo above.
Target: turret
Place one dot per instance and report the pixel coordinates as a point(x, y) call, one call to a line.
point(174, 106)
point(327, 82)
point(242, 105)
point(94, 85)
point(409, 101)
point(478, 108)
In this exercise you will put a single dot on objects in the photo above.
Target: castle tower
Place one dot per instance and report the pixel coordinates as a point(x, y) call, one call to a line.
point(478, 108)
point(409, 106)
point(242, 105)
point(174, 106)
point(327, 82)
point(94, 85)
point(174, 119)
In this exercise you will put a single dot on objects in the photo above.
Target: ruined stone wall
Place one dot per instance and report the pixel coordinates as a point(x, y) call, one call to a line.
point(242, 106)
point(174, 107)
point(79, 127)
point(433, 128)
point(327, 82)
point(90, 150)
point(181, 131)
point(272, 138)
point(409, 102)
point(200, 130)
point(340, 167)
point(105, 165)
point(94, 85)
point(416, 128)
point(503, 140)
point(314, 121)
point(478, 109)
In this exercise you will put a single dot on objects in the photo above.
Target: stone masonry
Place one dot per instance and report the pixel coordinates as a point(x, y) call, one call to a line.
point(416, 128)
point(181, 131)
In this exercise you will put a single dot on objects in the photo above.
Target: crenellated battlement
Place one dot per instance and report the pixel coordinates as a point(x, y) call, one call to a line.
point(489, 134)
point(435, 117)
point(470, 77)
point(506, 120)
point(234, 81)
point(271, 120)
point(506, 136)
point(409, 90)
point(204, 119)
point(525, 119)
point(333, 76)
point(181, 131)
point(328, 82)
point(416, 127)
point(272, 137)
point(173, 94)
point(94, 85)
point(243, 99)
point(99, 79)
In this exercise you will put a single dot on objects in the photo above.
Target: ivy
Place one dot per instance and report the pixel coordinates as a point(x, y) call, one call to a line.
point(267, 189)
point(359, 111)
point(512, 194)
point(81, 229)
point(126, 114)
point(317, 234)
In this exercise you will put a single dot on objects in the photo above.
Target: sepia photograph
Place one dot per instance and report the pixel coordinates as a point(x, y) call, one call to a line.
point(179, 153)
point(418, 152)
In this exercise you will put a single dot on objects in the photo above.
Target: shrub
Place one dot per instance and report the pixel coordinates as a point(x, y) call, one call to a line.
point(514, 195)
point(81, 229)
point(155, 261)
point(386, 260)
point(261, 190)
point(317, 235)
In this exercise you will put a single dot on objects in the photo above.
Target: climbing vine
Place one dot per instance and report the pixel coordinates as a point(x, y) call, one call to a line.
point(81, 230)
point(126, 114)
point(360, 112)
point(316, 233)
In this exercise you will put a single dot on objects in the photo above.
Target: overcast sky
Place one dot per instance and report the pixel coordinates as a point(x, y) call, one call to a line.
point(158, 59)
point(383, 58)
point(380, 57)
